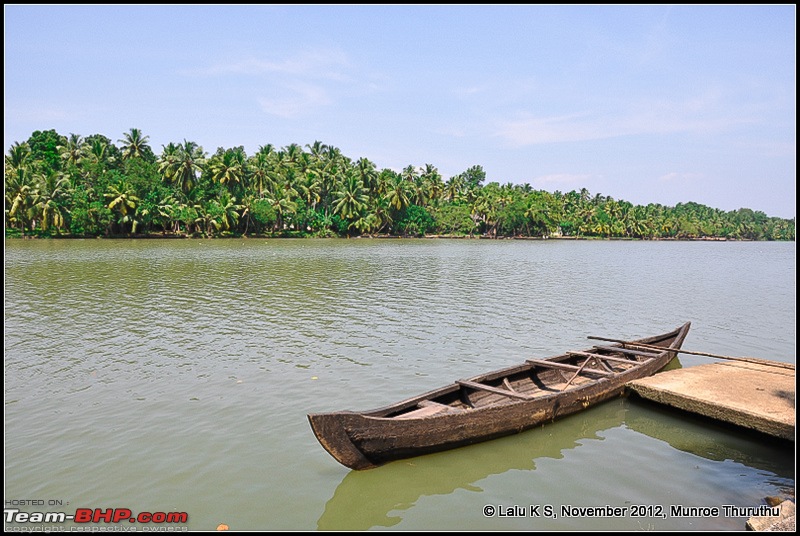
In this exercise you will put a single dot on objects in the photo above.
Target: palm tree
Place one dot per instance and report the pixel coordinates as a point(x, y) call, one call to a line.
point(454, 187)
point(397, 192)
point(208, 214)
point(366, 223)
point(486, 206)
point(351, 199)
point(167, 162)
point(97, 152)
point(382, 210)
point(434, 187)
point(368, 174)
point(19, 197)
point(134, 144)
point(163, 211)
point(73, 150)
point(229, 168)
point(311, 188)
point(18, 157)
point(181, 164)
point(291, 154)
point(262, 170)
point(330, 168)
point(246, 206)
point(284, 208)
point(50, 199)
point(229, 211)
point(317, 149)
point(123, 201)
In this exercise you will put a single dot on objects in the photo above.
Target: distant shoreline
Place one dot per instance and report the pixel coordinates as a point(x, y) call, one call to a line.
point(160, 236)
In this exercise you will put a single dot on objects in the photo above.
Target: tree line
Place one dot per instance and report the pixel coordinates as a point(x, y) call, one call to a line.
point(85, 187)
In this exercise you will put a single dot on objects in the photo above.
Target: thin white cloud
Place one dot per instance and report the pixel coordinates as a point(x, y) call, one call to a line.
point(453, 131)
point(328, 64)
point(37, 112)
point(680, 177)
point(704, 113)
point(536, 130)
point(299, 100)
point(463, 92)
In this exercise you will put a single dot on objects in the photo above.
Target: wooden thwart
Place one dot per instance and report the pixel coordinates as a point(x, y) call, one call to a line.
point(609, 357)
point(629, 351)
point(496, 390)
point(564, 366)
point(580, 369)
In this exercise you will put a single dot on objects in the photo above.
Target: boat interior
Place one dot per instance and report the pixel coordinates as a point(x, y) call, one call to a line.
point(534, 379)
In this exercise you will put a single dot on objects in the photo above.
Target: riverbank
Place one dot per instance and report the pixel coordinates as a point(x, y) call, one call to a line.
point(278, 236)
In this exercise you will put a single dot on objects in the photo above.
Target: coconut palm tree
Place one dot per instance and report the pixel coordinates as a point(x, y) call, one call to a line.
point(284, 208)
point(73, 150)
point(262, 170)
point(18, 157)
point(368, 174)
point(433, 183)
point(311, 189)
point(454, 187)
point(51, 199)
point(134, 144)
point(351, 198)
point(398, 191)
point(19, 198)
point(229, 215)
point(182, 164)
point(97, 152)
point(123, 201)
point(317, 150)
point(229, 168)
point(209, 216)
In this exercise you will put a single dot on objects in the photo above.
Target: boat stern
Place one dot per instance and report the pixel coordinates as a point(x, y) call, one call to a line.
point(331, 432)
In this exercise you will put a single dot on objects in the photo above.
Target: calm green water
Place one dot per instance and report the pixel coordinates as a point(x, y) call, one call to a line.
point(176, 375)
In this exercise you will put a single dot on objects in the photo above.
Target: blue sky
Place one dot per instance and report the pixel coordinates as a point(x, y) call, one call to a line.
point(661, 104)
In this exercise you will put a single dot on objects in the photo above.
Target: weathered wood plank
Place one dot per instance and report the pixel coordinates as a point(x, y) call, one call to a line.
point(443, 407)
point(419, 413)
point(628, 351)
point(580, 369)
point(564, 366)
point(603, 363)
point(496, 390)
point(610, 358)
point(428, 408)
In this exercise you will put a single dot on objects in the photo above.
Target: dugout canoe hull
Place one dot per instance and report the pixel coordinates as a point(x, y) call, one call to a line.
point(491, 405)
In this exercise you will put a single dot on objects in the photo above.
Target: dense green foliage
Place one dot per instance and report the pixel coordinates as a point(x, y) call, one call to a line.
point(74, 186)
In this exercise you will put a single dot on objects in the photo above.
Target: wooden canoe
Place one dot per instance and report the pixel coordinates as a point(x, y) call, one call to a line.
point(491, 405)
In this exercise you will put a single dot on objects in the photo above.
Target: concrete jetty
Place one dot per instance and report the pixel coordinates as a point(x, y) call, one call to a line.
point(755, 396)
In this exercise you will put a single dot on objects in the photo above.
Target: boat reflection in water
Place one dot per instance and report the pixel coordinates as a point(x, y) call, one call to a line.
point(385, 496)
point(366, 499)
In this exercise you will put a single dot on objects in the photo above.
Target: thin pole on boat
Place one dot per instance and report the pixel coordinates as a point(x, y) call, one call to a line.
point(706, 354)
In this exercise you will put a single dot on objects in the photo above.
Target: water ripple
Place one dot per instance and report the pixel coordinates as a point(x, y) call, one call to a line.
point(178, 367)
